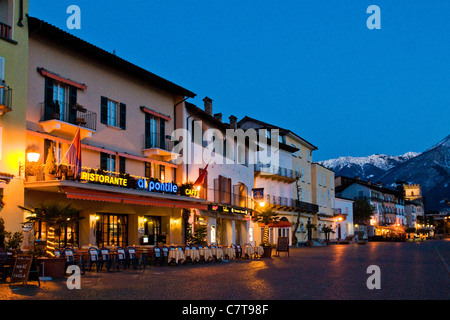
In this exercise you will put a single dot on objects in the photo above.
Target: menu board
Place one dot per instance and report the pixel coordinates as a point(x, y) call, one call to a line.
point(283, 245)
point(22, 268)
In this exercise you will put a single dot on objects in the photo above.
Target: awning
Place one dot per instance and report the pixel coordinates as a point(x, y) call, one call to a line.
point(57, 77)
point(80, 194)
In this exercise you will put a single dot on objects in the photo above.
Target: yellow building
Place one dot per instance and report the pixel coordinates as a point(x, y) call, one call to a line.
point(323, 195)
point(13, 102)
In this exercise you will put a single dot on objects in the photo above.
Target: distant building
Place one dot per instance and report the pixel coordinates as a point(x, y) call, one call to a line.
point(388, 205)
point(343, 209)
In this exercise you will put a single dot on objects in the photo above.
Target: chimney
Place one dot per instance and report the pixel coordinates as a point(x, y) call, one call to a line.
point(208, 105)
point(233, 122)
point(218, 116)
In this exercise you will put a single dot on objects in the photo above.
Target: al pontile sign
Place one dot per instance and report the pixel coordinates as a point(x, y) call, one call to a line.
point(143, 184)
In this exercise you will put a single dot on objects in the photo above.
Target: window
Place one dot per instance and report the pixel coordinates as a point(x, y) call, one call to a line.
point(6, 19)
point(324, 180)
point(303, 174)
point(60, 98)
point(299, 150)
point(113, 113)
point(294, 154)
point(107, 162)
point(319, 178)
point(112, 229)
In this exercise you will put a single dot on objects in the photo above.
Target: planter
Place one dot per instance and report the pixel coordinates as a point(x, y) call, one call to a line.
point(49, 177)
point(31, 178)
point(267, 252)
point(52, 267)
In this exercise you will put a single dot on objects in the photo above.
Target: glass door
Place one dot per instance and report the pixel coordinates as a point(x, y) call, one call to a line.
point(112, 229)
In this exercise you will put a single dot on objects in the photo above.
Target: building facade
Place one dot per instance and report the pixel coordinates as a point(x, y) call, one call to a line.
point(13, 103)
point(127, 191)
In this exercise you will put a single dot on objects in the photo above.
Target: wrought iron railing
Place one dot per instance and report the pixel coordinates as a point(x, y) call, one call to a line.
point(157, 140)
point(5, 98)
point(5, 31)
point(73, 114)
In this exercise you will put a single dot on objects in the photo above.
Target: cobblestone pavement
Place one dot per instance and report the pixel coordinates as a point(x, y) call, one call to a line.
point(408, 271)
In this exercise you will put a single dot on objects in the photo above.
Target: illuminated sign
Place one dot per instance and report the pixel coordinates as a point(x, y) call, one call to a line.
point(166, 187)
point(226, 209)
point(156, 186)
point(93, 177)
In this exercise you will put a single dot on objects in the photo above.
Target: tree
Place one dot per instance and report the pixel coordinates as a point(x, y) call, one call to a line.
point(297, 222)
point(266, 217)
point(362, 211)
point(327, 230)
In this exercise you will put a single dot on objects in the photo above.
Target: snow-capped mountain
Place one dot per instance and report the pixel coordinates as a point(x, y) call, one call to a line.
point(370, 167)
point(430, 169)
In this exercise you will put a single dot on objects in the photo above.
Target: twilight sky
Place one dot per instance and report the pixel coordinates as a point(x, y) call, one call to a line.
point(310, 66)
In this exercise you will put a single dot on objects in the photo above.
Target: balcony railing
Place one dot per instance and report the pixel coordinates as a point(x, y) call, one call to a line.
point(5, 98)
point(5, 31)
point(278, 171)
point(73, 114)
point(292, 203)
point(157, 140)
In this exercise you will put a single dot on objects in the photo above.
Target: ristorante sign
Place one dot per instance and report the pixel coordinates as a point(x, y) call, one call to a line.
point(142, 184)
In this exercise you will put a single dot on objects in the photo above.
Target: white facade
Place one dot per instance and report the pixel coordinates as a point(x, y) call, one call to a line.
point(344, 228)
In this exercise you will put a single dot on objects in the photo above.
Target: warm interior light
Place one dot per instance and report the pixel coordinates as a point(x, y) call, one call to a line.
point(262, 204)
point(33, 156)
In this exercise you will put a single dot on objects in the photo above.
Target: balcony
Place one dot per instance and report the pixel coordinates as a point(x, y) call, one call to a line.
point(5, 31)
point(66, 118)
point(159, 147)
point(279, 202)
point(5, 99)
point(276, 173)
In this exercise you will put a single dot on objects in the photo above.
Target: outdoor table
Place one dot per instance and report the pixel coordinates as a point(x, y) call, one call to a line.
point(218, 252)
point(230, 252)
point(259, 251)
point(206, 253)
point(193, 254)
point(177, 255)
point(248, 250)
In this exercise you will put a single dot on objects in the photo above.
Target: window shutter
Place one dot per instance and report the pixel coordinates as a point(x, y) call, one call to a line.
point(72, 105)
point(48, 99)
point(103, 161)
point(123, 116)
point(2, 68)
point(162, 134)
point(104, 110)
point(122, 162)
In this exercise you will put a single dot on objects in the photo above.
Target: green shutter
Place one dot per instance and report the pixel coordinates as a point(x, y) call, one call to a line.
point(123, 115)
point(104, 110)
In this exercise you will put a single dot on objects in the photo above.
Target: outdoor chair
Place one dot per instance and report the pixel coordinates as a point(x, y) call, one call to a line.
point(186, 250)
point(158, 255)
point(165, 251)
point(106, 259)
point(132, 258)
point(5, 266)
point(93, 258)
point(238, 251)
point(121, 258)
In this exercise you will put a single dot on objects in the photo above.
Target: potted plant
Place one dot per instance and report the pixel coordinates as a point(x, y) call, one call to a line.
point(32, 170)
point(310, 227)
point(266, 217)
point(50, 168)
point(56, 216)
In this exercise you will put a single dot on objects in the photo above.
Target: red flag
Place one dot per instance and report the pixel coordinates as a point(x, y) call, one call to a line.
point(201, 178)
point(73, 154)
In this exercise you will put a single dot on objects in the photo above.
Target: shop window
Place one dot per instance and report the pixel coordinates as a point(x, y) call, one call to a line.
point(112, 229)
point(63, 236)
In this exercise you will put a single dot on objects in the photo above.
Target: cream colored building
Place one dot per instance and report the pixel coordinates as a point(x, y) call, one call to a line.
point(13, 103)
point(323, 194)
point(126, 116)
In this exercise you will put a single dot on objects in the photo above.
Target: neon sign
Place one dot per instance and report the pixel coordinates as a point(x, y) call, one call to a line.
point(93, 177)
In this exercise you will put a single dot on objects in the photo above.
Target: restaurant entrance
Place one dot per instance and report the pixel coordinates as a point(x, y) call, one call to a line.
point(112, 229)
point(152, 231)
